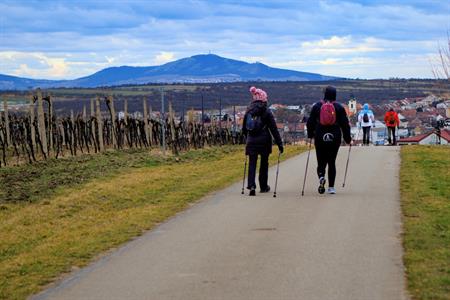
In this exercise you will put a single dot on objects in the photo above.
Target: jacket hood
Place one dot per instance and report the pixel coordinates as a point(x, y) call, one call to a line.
point(365, 110)
point(257, 107)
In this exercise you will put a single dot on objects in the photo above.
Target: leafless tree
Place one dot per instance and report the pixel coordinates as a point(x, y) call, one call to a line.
point(441, 65)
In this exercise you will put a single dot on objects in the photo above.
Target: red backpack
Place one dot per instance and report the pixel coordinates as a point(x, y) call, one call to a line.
point(327, 114)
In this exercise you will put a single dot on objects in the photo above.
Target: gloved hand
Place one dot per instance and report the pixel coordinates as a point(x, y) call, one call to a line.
point(281, 148)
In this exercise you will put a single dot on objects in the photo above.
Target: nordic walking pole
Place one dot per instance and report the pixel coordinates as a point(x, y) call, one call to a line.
point(245, 170)
point(346, 165)
point(306, 169)
point(276, 177)
point(396, 136)
point(357, 135)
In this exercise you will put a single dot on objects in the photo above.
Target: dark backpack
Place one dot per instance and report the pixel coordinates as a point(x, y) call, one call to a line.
point(254, 123)
point(327, 114)
point(391, 119)
point(365, 118)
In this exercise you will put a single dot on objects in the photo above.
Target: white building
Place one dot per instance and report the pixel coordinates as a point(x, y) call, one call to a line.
point(352, 105)
point(430, 138)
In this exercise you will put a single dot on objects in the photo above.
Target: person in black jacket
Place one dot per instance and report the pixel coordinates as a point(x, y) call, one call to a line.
point(259, 127)
point(327, 138)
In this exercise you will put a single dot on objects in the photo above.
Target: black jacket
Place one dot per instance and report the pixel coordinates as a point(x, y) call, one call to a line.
point(262, 142)
point(324, 135)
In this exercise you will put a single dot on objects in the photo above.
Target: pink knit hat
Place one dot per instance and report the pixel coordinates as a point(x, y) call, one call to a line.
point(258, 94)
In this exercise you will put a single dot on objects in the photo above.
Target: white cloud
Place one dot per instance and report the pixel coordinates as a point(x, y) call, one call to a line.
point(331, 61)
point(341, 45)
point(164, 57)
point(43, 66)
point(36, 64)
point(252, 59)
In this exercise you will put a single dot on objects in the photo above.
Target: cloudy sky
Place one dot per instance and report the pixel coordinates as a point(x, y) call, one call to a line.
point(356, 39)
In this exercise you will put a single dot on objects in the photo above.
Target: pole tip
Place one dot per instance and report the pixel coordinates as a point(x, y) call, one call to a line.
point(274, 195)
point(343, 185)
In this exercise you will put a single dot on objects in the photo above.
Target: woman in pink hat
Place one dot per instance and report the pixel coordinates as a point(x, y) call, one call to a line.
point(259, 127)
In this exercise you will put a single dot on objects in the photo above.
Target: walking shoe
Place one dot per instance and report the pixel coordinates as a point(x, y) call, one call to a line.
point(265, 190)
point(252, 192)
point(321, 188)
point(331, 190)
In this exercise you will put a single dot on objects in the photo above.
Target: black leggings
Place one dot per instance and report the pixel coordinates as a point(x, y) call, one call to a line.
point(366, 135)
point(326, 155)
point(263, 171)
point(391, 132)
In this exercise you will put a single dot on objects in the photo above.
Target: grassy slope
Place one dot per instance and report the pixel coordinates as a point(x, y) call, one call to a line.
point(124, 195)
point(425, 190)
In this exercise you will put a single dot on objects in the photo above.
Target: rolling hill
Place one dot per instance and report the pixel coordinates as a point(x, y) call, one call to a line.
point(195, 69)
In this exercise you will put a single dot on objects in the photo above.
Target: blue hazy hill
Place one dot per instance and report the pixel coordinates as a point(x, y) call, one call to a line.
point(194, 69)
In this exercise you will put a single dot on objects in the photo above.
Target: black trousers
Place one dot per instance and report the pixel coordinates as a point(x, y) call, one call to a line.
point(391, 131)
point(326, 155)
point(366, 135)
point(263, 170)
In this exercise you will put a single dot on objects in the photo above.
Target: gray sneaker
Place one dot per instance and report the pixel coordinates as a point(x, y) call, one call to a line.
point(331, 190)
point(321, 188)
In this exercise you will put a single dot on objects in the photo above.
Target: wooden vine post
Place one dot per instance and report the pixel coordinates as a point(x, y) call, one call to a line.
point(150, 126)
point(6, 115)
point(113, 121)
point(172, 129)
point(84, 113)
point(41, 124)
point(99, 125)
point(50, 123)
point(145, 118)
point(92, 124)
point(92, 108)
point(33, 131)
point(72, 133)
point(125, 111)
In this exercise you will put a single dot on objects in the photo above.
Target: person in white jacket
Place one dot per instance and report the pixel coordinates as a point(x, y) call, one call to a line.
point(366, 120)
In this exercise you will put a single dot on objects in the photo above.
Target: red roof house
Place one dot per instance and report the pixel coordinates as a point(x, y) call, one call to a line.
point(430, 138)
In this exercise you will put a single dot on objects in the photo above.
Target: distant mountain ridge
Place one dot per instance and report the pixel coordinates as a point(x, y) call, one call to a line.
point(206, 68)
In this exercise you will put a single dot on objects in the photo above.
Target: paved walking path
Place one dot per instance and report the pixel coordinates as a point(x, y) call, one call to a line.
point(343, 246)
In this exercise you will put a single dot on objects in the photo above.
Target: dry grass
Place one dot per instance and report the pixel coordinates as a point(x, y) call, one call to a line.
point(43, 239)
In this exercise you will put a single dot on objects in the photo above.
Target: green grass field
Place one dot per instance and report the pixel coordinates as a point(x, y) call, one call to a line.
point(425, 193)
point(61, 214)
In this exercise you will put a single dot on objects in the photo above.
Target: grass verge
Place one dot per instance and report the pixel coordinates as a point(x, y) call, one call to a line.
point(69, 226)
point(43, 179)
point(425, 193)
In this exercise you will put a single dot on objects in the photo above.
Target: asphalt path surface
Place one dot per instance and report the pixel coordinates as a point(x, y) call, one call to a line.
point(233, 246)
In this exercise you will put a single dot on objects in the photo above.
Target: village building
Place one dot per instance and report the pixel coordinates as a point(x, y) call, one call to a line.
point(430, 138)
point(352, 109)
